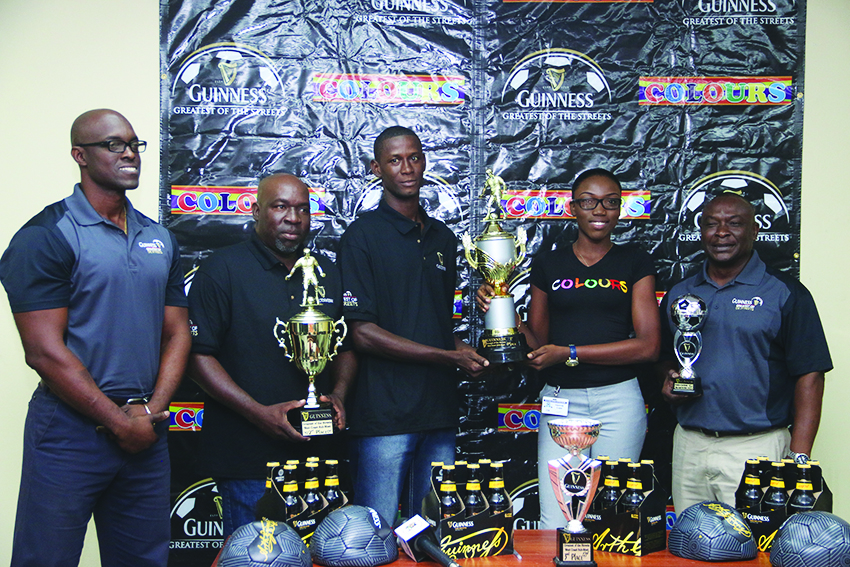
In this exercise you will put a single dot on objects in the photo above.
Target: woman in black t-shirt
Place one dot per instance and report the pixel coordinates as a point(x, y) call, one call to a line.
point(592, 316)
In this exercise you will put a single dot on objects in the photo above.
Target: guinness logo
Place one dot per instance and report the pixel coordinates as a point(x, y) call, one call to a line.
point(555, 78)
point(228, 71)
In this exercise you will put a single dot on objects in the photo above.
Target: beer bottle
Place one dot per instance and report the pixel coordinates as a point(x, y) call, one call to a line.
point(450, 503)
point(474, 500)
point(776, 497)
point(748, 495)
point(460, 478)
point(498, 498)
point(332, 492)
point(311, 487)
point(633, 496)
point(610, 492)
point(803, 497)
point(270, 505)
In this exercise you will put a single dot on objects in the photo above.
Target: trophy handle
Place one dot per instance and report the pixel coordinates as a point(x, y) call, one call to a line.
point(279, 332)
point(467, 250)
point(521, 238)
point(339, 337)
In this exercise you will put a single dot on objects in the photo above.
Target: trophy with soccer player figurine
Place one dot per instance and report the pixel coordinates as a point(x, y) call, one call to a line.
point(688, 312)
point(496, 253)
point(574, 479)
point(306, 340)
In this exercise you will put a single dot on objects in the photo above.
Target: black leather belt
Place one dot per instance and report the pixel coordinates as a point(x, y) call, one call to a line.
point(712, 433)
point(117, 400)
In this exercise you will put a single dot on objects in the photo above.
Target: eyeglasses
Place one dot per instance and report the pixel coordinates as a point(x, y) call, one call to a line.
point(610, 203)
point(118, 146)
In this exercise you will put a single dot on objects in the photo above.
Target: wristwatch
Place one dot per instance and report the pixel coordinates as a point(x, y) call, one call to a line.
point(799, 458)
point(573, 359)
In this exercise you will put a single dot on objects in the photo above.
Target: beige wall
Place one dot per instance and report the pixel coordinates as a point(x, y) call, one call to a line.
point(61, 58)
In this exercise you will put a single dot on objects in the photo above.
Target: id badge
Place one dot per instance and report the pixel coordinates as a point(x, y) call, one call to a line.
point(553, 405)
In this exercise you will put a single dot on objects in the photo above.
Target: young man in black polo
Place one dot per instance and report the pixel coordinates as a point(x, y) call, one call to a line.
point(399, 276)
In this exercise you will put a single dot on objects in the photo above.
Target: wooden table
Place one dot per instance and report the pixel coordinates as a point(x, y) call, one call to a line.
point(537, 548)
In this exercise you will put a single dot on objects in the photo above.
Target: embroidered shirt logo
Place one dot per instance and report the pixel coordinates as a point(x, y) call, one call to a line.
point(154, 247)
point(349, 299)
point(747, 304)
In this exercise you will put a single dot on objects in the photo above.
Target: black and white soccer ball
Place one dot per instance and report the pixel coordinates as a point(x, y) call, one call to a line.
point(354, 536)
point(265, 544)
point(812, 539)
point(712, 531)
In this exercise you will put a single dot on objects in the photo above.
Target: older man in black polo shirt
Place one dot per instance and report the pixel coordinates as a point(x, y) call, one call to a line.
point(235, 300)
point(399, 274)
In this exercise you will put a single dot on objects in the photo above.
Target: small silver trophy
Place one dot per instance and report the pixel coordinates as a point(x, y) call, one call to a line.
point(688, 312)
point(574, 479)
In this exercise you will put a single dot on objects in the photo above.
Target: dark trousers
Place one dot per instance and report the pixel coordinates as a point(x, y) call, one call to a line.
point(70, 472)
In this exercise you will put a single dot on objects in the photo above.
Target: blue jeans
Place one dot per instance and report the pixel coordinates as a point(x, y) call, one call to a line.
point(621, 410)
point(383, 467)
point(70, 472)
point(239, 498)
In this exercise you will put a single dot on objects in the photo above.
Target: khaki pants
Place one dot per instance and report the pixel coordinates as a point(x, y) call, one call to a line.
point(710, 468)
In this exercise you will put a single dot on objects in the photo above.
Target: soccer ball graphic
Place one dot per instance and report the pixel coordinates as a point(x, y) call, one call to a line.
point(265, 544)
point(354, 536)
point(812, 539)
point(712, 531)
point(688, 312)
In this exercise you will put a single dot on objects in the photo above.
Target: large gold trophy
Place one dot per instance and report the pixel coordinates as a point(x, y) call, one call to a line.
point(495, 254)
point(574, 479)
point(309, 335)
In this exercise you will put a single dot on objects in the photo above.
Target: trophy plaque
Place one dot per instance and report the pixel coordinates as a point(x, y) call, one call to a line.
point(574, 479)
point(306, 340)
point(495, 253)
point(688, 312)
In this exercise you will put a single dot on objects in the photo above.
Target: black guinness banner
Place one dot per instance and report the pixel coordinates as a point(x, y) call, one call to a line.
point(680, 98)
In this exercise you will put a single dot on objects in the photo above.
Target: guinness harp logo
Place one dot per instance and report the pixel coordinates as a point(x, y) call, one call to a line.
point(555, 77)
point(228, 71)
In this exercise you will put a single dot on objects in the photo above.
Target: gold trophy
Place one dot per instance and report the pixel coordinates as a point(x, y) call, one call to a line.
point(309, 335)
point(575, 485)
point(495, 254)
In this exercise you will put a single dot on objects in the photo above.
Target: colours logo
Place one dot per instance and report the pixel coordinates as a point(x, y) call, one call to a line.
point(772, 213)
point(715, 90)
point(518, 418)
point(580, 1)
point(208, 200)
point(388, 89)
point(562, 83)
point(552, 205)
point(225, 78)
point(186, 416)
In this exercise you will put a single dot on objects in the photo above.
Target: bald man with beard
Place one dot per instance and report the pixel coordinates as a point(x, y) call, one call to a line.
point(235, 300)
point(97, 295)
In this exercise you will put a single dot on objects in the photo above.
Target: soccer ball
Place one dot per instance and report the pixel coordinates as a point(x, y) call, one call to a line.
point(265, 544)
point(688, 312)
point(712, 531)
point(812, 539)
point(353, 536)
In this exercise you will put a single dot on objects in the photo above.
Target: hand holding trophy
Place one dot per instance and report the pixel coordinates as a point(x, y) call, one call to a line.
point(309, 335)
point(495, 253)
point(688, 313)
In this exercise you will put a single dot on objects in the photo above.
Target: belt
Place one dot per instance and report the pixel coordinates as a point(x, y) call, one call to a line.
point(712, 433)
point(120, 401)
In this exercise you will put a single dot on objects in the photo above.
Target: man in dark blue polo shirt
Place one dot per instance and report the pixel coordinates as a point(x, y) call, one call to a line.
point(97, 295)
point(399, 275)
point(235, 300)
point(762, 365)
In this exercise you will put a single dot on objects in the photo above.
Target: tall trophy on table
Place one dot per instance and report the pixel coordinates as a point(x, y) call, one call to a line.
point(496, 253)
point(310, 339)
point(574, 479)
point(689, 313)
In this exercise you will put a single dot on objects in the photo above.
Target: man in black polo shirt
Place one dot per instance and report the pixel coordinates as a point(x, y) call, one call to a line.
point(399, 275)
point(235, 300)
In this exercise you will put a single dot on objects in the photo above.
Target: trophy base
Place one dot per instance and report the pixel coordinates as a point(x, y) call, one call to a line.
point(503, 349)
point(687, 386)
point(574, 550)
point(313, 421)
